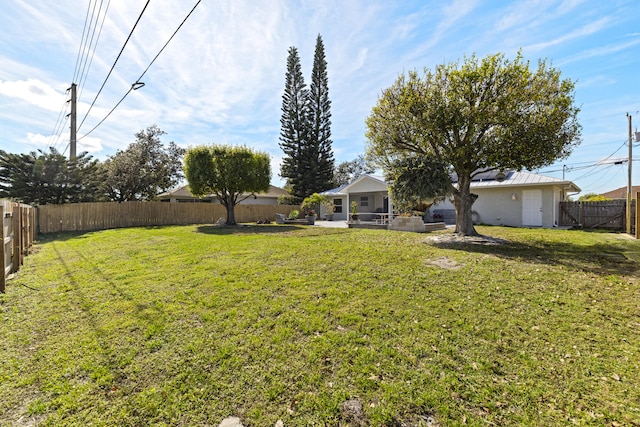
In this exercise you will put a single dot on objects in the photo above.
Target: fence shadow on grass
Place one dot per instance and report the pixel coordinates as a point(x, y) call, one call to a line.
point(601, 258)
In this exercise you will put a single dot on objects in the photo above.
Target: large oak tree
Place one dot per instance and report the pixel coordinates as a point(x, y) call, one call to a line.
point(474, 116)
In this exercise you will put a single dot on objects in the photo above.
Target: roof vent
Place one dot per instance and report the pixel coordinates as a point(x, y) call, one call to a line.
point(500, 176)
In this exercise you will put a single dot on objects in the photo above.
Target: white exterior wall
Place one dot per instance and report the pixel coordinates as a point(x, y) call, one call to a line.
point(345, 209)
point(375, 201)
point(495, 206)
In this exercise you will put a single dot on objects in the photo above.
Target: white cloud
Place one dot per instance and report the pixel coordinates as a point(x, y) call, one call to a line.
point(599, 52)
point(43, 142)
point(221, 78)
point(89, 144)
point(522, 13)
point(33, 91)
point(586, 30)
point(600, 80)
point(450, 14)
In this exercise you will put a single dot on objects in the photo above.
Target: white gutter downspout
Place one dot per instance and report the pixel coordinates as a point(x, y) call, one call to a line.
point(556, 205)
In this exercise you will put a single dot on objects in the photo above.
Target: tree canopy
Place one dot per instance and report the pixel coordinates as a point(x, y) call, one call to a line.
point(348, 171)
point(145, 169)
point(417, 180)
point(231, 173)
point(40, 178)
point(473, 116)
point(593, 197)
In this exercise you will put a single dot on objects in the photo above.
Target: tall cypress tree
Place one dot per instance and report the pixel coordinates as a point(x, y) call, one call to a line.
point(319, 117)
point(294, 129)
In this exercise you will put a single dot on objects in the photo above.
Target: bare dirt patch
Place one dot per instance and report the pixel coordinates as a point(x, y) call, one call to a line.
point(446, 239)
point(444, 263)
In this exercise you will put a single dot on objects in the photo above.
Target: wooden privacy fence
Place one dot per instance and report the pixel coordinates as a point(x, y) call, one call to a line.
point(105, 215)
point(18, 234)
point(609, 214)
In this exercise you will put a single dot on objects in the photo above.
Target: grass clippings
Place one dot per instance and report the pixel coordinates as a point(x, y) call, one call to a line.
point(283, 324)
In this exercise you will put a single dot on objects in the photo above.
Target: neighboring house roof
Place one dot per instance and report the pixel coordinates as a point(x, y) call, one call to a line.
point(184, 193)
point(491, 179)
point(178, 192)
point(621, 193)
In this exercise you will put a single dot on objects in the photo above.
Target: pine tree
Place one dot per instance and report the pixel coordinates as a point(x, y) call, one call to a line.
point(319, 117)
point(294, 128)
point(305, 134)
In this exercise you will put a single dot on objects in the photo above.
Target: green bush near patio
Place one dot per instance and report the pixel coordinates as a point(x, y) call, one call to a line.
point(187, 325)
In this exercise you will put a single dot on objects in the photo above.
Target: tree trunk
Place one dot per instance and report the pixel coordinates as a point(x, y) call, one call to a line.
point(231, 215)
point(463, 200)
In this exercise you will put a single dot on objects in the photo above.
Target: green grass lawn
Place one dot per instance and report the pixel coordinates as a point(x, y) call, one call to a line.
point(184, 326)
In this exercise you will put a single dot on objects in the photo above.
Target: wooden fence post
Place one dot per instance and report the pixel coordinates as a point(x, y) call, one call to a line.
point(27, 242)
point(15, 236)
point(638, 215)
point(581, 215)
point(23, 231)
point(3, 278)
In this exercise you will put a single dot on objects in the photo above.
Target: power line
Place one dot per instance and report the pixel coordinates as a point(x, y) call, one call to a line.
point(56, 133)
point(138, 84)
point(80, 50)
point(61, 115)
point(88, 43)
point(82, 82)
point(170, 38)
point(588, 164)
point(109, 113)
point(607, 182)
point(113, 66)
point(59, 137)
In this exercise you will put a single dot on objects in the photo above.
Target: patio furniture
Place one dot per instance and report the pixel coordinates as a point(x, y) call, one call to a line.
point(384, 218)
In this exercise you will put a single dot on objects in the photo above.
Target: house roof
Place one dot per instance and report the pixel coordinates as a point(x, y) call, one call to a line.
point(518, 179)
point(344, 190)
point(490, 179)
point(621, 193)
point(183, 192)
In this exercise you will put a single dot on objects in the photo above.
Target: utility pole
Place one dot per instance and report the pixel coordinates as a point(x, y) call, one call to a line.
point(73, 139)
point(629, 186)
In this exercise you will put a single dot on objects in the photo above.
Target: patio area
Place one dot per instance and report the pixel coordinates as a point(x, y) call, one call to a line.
point(373, 225)
point(345, 224)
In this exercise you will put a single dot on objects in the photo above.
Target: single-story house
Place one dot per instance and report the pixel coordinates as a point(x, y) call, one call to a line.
point(183, 195)
point(518, 199)
point(369, 192)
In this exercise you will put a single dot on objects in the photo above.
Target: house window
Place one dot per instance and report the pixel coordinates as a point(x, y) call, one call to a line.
point(337, 205)
point(364, 201)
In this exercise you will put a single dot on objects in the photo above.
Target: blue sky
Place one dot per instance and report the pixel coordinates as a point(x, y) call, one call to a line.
point(221, 78)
